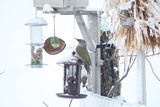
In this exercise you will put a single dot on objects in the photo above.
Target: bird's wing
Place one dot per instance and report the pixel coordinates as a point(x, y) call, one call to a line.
point(84, 55)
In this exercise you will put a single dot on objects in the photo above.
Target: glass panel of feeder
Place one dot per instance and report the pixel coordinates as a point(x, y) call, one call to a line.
point(74, 70)
point(36, 56)
point(67, 71)
point(36, 35)
point(70, 71)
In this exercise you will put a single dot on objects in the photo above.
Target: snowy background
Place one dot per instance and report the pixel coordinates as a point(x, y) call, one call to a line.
point(22, 86)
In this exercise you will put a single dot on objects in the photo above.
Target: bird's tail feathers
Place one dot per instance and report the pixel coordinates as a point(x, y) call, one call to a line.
point(87, 67)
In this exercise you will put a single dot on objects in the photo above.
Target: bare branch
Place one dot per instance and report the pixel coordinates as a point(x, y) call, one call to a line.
point(3, 72)
point(70, 103)
point(124, 76)
point(146, 55)
point(44, 103)
point(153, 54)
point(153, 69)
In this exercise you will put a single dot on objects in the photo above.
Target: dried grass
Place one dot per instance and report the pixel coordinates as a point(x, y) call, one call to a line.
point(145, 33)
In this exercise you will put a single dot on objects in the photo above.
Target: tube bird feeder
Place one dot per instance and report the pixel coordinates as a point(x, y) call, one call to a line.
point(36, 41)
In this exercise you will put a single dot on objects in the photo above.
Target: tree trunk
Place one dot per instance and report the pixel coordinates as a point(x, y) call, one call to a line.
point(109, 68)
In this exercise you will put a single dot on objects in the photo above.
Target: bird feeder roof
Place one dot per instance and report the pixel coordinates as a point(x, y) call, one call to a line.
point(69, 60)
point(37, 21)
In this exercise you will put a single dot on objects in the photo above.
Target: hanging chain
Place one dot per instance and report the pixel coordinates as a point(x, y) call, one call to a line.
point(36, 12)
point(74, 24)
point(74, 31)
point(54, 31)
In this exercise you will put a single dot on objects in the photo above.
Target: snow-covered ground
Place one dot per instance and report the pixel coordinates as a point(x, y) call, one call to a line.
point(22, 86)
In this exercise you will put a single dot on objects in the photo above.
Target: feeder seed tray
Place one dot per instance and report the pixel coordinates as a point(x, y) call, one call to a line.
point(79, 96)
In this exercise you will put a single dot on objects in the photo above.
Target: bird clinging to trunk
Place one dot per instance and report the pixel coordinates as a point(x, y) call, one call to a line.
point(82, 54)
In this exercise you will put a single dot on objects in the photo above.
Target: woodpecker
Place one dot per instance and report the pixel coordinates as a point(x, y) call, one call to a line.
point(82, 54)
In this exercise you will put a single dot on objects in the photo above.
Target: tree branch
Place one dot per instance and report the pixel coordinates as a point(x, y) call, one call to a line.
point(44, 103)
point(124, 76)
point(2, 72)
point(70, 103)
point(153, 70)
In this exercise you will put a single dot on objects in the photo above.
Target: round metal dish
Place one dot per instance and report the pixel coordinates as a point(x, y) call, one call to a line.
point(80, 96)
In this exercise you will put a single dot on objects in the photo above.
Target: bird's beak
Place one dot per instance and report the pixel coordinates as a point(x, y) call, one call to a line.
point(76, 39)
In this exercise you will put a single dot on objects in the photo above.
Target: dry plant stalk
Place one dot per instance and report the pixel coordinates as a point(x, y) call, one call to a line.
point(145, 32)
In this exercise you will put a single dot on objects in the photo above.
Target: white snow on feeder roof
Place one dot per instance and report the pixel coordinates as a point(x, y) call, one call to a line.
point(37, 21)
point(68, 59)
point(47, 8)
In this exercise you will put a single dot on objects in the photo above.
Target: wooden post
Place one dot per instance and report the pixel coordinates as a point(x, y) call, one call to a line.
point(84, 31)
point(94, 33)
point(91, 34)
point(141, 78)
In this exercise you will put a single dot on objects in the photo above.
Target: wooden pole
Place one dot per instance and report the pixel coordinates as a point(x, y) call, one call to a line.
point(94, 33)
point(141, 78)
point(91, 34)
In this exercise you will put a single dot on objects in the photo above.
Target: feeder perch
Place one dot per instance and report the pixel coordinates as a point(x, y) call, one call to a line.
point(72, 80)
point(36, 41)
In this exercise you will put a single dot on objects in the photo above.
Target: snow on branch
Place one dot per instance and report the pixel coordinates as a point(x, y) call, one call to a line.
point(135, 24)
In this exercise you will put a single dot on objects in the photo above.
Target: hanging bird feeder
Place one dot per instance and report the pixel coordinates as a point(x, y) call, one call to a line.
point(54, 45)
point(36, 40)
point(49, 48)
point(72, 79)
point(126, 19)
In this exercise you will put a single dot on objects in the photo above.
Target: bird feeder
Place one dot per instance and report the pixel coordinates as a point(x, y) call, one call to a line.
point(126, 19)
point(54, 45)
point(52, 48)
point(72, 80)
point(36, 41)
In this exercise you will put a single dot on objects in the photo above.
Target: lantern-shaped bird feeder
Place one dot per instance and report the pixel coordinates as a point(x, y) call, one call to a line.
point(72, 79)
point(36, 40)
